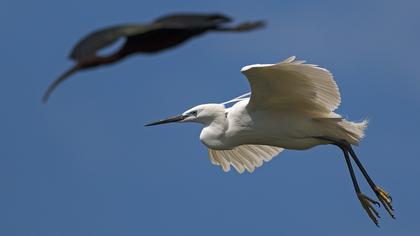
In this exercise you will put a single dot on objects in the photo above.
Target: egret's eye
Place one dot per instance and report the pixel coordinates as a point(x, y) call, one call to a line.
point(194, 113)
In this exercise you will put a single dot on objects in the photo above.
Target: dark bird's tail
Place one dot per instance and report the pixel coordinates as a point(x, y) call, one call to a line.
point(58, 81)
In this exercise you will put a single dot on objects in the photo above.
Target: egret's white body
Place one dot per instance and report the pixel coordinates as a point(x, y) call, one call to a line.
point(291, 106)
point(287, 129)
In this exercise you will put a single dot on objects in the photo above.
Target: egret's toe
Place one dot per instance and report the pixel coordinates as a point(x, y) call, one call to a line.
point(386, 200)
point(367, 204)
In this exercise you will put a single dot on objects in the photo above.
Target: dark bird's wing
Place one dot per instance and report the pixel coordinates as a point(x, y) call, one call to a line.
point(192, 21)
point(242, 27)
point(216, 22)
point(89, 45)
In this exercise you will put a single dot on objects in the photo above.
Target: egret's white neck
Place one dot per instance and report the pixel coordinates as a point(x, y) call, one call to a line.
point(213, 133)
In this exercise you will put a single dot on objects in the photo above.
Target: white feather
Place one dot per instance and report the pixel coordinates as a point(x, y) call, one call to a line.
point(291, 84)
point(243, 157)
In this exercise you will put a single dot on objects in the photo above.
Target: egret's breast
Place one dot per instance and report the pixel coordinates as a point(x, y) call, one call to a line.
point(214, 142)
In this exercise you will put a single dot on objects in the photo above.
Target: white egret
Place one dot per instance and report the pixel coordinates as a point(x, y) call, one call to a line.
point(291, 106)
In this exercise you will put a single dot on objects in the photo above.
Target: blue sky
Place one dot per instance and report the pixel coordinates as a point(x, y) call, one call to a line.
point(84, 164)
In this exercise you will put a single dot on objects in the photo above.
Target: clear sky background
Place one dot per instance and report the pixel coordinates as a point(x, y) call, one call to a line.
point(84, 164)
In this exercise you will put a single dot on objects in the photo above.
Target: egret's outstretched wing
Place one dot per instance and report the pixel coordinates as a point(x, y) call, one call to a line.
point(244, 157)
point(97, 40)
point(291, 85)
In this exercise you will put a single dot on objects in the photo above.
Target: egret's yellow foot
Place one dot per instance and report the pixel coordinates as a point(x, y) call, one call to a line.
point(367, 204)
point(386, 200)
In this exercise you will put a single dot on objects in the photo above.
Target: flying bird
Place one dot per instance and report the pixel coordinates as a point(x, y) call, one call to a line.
point(163, 33)
point(291, 106)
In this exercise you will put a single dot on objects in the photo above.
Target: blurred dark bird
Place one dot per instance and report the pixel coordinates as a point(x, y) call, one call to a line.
point(164, 33)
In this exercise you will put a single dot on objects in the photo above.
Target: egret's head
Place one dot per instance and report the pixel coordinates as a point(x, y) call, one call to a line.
point(204, 114)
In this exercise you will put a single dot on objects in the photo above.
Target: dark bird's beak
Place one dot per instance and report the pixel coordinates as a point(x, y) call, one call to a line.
point(168, 120)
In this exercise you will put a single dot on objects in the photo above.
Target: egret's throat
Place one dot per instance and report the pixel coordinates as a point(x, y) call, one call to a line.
point(213, 134)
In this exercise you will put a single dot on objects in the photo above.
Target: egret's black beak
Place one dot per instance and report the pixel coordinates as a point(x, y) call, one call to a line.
point(169, 120)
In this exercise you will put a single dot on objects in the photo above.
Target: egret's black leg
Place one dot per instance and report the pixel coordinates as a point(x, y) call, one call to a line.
point(246, 26)
point(383, 196)
point(367, 203)
point(364, 200)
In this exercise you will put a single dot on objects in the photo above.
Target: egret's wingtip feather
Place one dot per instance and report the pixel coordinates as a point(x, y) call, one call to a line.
point(245, 68)
point(244, 157)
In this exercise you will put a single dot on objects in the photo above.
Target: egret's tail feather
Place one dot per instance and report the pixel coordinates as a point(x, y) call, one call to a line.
point(339, 128)
point(355, 131)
